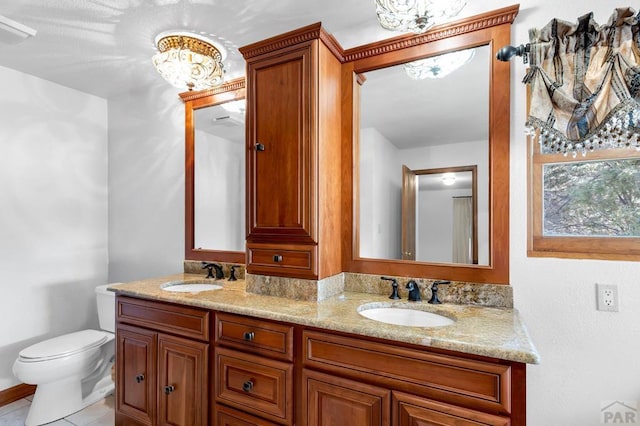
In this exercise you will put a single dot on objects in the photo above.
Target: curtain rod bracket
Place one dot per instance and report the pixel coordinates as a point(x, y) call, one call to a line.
point(508, 52)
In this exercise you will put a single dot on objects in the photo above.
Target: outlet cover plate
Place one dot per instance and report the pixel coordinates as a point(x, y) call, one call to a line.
point(607, 297)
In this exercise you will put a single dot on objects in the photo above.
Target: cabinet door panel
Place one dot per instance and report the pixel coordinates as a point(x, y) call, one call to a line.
point(410, 410)
point(136, 373)
point(182, 375)
point(334, 401)
point(279, 119)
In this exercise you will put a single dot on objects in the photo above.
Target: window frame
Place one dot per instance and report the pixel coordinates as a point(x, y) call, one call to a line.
point(573, 247)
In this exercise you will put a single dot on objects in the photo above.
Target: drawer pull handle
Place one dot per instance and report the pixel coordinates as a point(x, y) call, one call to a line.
point(277, 258)
point(249, 336)
point(169, 389)
point(259, 147)
point(139, 378)
point(247, 386)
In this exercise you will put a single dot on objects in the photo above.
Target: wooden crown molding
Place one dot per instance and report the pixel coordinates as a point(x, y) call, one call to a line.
point(235, 84)
point(462, 26)
point(291, 38)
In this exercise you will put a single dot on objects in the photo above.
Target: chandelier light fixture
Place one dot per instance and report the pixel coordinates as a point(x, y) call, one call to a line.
point(416, 16)
point(189, 61)
point(438, 66)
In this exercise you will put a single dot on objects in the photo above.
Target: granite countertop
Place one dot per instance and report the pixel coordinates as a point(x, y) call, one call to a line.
point(492, 332)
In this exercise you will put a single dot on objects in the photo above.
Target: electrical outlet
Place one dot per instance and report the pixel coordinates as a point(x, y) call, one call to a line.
point(607, 296)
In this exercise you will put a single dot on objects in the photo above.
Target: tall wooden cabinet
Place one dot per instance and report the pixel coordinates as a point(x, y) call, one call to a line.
point(293, 155)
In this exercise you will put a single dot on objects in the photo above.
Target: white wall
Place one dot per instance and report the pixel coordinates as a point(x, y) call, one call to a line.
point(53, 211)
point(380, 217)
point(588, 357)
point(146, 184)
point(219, 200)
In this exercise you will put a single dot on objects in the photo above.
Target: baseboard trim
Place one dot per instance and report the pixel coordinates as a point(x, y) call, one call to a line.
point(15, 393)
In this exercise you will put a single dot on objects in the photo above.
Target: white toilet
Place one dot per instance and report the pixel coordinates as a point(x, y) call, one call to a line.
point(71, 371)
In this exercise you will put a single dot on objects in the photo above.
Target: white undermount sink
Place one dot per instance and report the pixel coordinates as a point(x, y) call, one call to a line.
point(407, 316)
point(189, 286)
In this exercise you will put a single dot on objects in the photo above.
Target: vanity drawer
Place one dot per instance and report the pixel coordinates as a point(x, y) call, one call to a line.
point(225, 416)
point(254, 384)
point(166, 317)
point(282, 260)
point(253, 335)
point(466, 382)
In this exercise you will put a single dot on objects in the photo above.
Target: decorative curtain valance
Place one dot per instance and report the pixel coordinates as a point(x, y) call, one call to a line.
point(585, 84)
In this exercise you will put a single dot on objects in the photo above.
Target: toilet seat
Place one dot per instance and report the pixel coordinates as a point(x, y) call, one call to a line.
point(63, 346)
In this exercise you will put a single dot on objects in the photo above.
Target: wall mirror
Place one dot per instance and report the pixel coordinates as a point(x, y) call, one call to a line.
point(215, 173)
point(457, 121)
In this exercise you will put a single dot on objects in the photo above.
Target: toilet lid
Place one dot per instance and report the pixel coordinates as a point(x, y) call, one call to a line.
point(64, 345)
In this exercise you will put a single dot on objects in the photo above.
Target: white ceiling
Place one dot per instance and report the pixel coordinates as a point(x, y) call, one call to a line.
point(104, 47)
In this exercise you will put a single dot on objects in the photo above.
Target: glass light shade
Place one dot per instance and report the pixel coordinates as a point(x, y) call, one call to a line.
point(438, 66)
point(416, 16)
point(189, 61)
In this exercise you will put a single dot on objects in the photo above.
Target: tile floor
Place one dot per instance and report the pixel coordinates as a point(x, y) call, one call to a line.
point(99, 414)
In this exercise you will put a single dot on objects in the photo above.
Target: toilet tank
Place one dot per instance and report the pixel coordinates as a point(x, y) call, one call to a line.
point(106, 301)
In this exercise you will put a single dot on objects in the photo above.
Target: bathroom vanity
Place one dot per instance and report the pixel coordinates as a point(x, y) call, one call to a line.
point(228, 357)
point(238, 357)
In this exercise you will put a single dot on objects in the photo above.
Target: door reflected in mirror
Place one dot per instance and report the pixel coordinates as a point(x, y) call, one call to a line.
point(435, 123)
point(219, 177)
point(440, 215)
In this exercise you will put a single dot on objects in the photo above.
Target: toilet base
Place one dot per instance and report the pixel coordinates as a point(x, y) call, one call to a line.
point(60, 399)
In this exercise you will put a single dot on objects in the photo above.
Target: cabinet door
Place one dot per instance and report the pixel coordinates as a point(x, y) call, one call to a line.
point(280, 164)
point(182, 381)
point(410, 410)
point(135, 359)
point(334, 401)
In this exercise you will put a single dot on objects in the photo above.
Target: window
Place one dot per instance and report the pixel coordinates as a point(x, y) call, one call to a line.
point(584, 115)
point(584, 206)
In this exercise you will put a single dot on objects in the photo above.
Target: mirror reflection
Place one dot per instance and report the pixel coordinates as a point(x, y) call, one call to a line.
point(439, 121)
point(219, 177)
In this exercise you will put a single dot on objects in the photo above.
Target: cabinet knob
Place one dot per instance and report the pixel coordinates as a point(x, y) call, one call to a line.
point(249, 336)
point(247, 386)
point(139, 378)
point(169, 389)
point(259, 147)
point(277, 258)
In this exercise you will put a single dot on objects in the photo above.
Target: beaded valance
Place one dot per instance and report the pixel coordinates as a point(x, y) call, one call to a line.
point(585, 84)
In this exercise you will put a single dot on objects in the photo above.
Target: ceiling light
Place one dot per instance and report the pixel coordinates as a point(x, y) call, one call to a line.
point(189, 61)
point(448, 179)
point(14, 32)
point(416, 16)
point(438, 66)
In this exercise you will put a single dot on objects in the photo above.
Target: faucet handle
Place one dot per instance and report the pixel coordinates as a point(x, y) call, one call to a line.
point(394, 285)
point(434, 291)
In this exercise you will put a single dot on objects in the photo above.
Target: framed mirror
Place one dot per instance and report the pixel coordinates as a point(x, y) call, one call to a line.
point(425, 124)
point(215, 173)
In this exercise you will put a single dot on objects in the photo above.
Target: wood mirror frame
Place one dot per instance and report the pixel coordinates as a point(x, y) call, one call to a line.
point(230, 91)
point(492, 29)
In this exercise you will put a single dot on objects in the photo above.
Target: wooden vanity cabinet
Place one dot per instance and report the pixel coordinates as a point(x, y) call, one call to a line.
point(162, 354)
point(267, 373)
point(293, 155)
point(380, 383)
